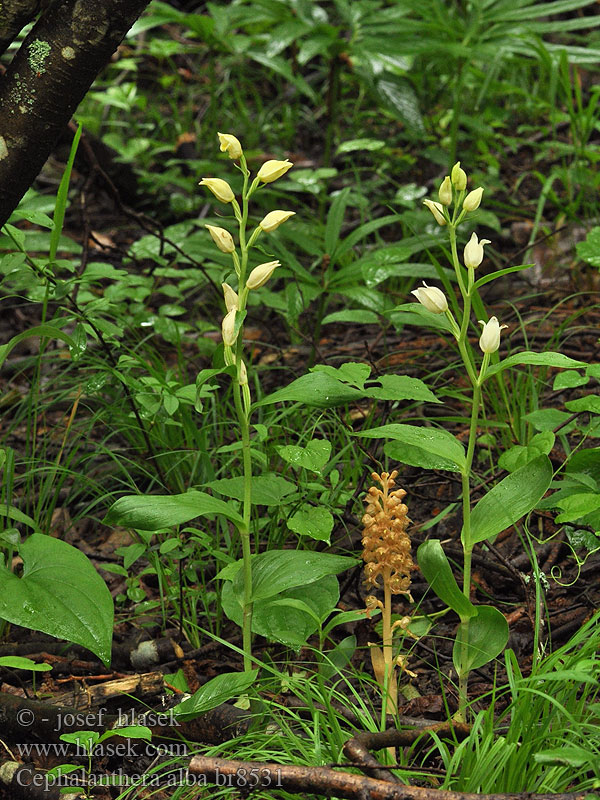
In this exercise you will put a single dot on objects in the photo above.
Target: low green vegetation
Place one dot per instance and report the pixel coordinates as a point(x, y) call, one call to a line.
point(384, 290)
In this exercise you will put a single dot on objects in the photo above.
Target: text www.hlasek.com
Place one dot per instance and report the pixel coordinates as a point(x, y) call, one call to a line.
point(105, 750)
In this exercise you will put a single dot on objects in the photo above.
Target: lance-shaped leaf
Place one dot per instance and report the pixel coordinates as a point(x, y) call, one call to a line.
point(438, 573)
point(154, 512)
point(536, 359)
point(435, 441)
point(486, 637)
point(512, 498)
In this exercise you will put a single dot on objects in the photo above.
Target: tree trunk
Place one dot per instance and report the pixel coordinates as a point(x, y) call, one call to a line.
point(47, 79)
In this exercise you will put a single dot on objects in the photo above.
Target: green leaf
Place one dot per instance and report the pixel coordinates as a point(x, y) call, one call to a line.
point(313, 521)
point(360, 144)
point(267, 490)
point(46, 331)
point(519, 455)
point(335, 218)
point(568, 755)
point(487, 635)
point(569, 379)
point(312, 457)
point(434, 441)
point(590, 249)
point(291, 616)
point(278, 570)
point(155, 512)
point(13, 513)
point(577, 505)
point(437, 571)
point(417, 457)
point(401, 387)
point(316, 389)
point(59, 593)
point(354, 316)
point(590, 402)
point(512, 498)
point(546, 419)
point(537, 359)
point(499, 274)
point(18, 662)
point(217, 691)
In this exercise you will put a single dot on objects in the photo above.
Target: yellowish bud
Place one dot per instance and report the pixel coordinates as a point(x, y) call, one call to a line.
point(228, 328)
point(243, 374)
point(459, 177)
point(220, 188)
point(230, 145)
point(473, 253)
point(222, 238)
point(437, 210)
point(473, 199)
point(489, 341)
point(271, 170)
point(432, 298)
point(445, 193)
point(261, 274)
point(231, 298)
point(274, 219)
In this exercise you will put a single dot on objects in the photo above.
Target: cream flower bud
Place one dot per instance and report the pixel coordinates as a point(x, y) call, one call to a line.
point(220, 188)
point(432, 298)
point(243, 374)
point(271, 170)
point(473, 199)
point(228, 328)
point(222, 238)
point(274, 219)
point(437, 211)
point(459, 177)
point(473, 253)
point(489, 341)
point(231, 298)
point(261, 274)
point(230, 145)
point(445, 193)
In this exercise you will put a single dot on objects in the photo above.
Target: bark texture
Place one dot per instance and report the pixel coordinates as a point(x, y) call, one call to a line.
point(14, 15)
point(47, 79)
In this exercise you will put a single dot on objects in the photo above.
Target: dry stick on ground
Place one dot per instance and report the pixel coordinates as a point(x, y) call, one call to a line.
point(248, 775)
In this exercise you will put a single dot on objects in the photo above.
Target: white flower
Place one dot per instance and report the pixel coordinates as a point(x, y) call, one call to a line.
point(261, 274)
point(432, 298)
point(437, 211)
point(445, 192)
point(473, 199)
point(490, 336)
point(473, 254)
point(459, 177)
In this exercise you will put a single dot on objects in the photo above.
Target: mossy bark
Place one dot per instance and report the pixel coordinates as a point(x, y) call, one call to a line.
point(47, 79)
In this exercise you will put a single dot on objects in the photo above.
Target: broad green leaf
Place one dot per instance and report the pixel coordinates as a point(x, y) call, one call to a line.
point(487, 637)
point(19, 662)
point(512, 498)
point(315, 389)
point(401, 387)
point(354, 316)
point(577, 505)
point(277, 570)
point(217, 691)
point(546, 419)
point(353, 372)
point(586, 461)
point(289, 617)
point(519, 455)
point(59, 593)
point(498, 274)
point(536, 359)
point(590, 402)
point(267, 490)
point(155, 512)
point(417, 457)
point(569, 379)
point(434, 441)
point(416, 314)
point(568, 755)
point(313, 521)
point(437, 572)
point(313, 456)
point(590, 249)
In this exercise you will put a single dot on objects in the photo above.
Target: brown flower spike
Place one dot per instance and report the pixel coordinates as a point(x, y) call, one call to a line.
point(385, 541)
